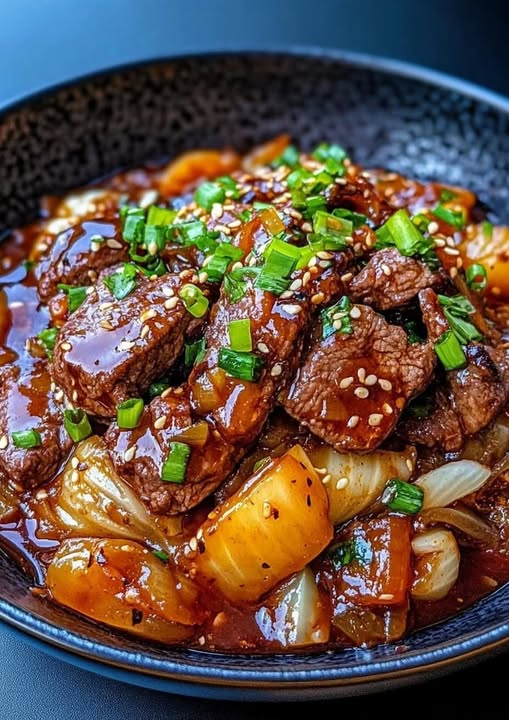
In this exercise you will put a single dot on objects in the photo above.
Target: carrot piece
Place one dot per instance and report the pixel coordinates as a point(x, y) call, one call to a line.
point(190, 167)
point(266, 153)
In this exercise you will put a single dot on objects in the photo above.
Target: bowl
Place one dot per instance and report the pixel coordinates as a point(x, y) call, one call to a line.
point(387, 114)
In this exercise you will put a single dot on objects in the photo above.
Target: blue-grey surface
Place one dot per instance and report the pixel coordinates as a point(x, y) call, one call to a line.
point(46, 41)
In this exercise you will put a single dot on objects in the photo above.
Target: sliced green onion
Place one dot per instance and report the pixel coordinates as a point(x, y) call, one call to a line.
point(325, 223)
point(75, 295)
point(48, 338)
point(319, 243)
point(129, 413)
point(194, 352)
point(258, 205)
point(457, 310)
point(356, 549)
point(421, 222)
point(477, 277)
point(401, 496)
point(487, 230)
point(314, 203)
point(245, 215)
point(160, 216)
point(241, 365)
point(400, 231)
point(281, 257)
point(121, 284)
point(161, 555)
point(134, 229)
point(209, 193)
point(154, 238)
point(306, 253)
point(261, 462)
point(229, 185)
point(157, 389)
point(324, 151)
point(155, 266)
point(456, 218)
point(446, 195)
point(127, 210)
point(336, 318)
point(175, 465)
point(295, 179)
point(357, 219)
point(449, 351)
point(77, 424)
point(272, 283)
point(235, 285)
point(223, 256)
point(194, 300)
point(26, 439)
point(240, 335)
point(290, 157)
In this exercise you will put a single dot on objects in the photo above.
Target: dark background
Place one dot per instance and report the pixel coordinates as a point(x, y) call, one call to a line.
point(48, 41)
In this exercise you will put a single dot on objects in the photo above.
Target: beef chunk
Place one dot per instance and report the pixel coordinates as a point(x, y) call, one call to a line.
point(351, 388)
point(359, 195)
point(440, 429)
point(74, 259)
point(390, 280)
point(110, 350)
point(26, 403)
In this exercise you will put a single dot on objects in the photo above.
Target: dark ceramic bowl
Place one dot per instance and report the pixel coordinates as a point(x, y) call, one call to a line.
point(387, 114)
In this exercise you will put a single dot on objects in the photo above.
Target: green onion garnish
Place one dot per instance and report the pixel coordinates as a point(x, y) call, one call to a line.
point(487, 230)
point(357, 219)
point(160, 216)
point(446, 195)
point(129, 413)
point(229, 185)
point(194, 352)
point(75, 295)
point(449, 351)
point(175, 465)
point(223, 256)
point(456, 218)
point(333, 156)
point(121, 284)
point(477, 277)
point(77, 424)
point(154, 238)
point(336, 318)
point(134, 229)
point(240, 335)
point(421, 222)
point(241, 365)
point(290, 157)
point(281, 257)
point(457, 310)
point(194, 300)
point(272, 283)
point(261, 462)
point(26, 439)
point(356, 549)
point(209, 193)
point(157, 389)
point(325, 223)
point(401, 496)
point(161, 555)
point(48, 338)
point(400, 231)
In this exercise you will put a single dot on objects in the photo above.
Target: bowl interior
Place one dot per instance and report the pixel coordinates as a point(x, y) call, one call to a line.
point(72, 135)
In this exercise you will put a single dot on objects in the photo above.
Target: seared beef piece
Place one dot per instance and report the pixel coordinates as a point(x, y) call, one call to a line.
point(110, 350)
point(360, 196)
point(473, 395)
point(26, 403)
point(390, 280)
point(351, 388)
point(71, 259)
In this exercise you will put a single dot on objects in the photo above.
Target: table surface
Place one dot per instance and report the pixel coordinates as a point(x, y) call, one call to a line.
point(46, 42)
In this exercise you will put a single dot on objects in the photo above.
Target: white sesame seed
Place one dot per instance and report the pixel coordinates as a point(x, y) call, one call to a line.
point(324, 255)
point(75, 396)
point(4, 441)
point(203, 277)
point(337, 324)
point(295, 214)
point(291, 309)
point(306, 227)
point(324, 264)
point(370, 380)
point(75, 476)
point(342, 483)
point(346, 382)
point(167, 291)
point(95, 246)
point(317, 298)
point(193, 544)
point(171, 303)
point(453, 272)
point(355, 313)
point(106, 305)
point(326, 479)
point(114, 244)
point(166, 393)
point(144, 331)
point(224, 229)
point(375, 419)
point(368, 242)
point(386, 596)
point(361, 393)
point(262, 347)
point(75, 463)
point(152, 248)
point(459, 262)
point(353, 421)
point(129, 453)
point(236, 266)
point(147, 315)
point(252, 261)
point(439, 242)
point(306, 278)
point(409, 464)
point(106, 325)
point(296, 284)
point(387, 409)
point(312, 261)
point(41, 495)
point(346, 277)
point(59, 395)
point(160, 422)
point(126, 345)
point(201, 640)
point(286, 295)
point(276, 370)
point(267, 509)
point(361, 374)
point(451, 251)
point(433, 227)
point(386, 269)
point(385, 384)
point(66, 346)
point(234, 224)
point(216, 211)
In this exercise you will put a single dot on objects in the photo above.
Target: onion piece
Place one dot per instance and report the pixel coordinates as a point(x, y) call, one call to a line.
point(452, 481)
point(437, 564)
point(464, 520)
point(357, 480)
point(8, 501)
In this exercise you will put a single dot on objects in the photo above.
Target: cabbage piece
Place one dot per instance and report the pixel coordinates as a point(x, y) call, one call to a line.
point(294, 615)
point(270, 528)
point(357, 480)
point(437, 564)
point(121, 584)
point(89, 499)
point(452, 481)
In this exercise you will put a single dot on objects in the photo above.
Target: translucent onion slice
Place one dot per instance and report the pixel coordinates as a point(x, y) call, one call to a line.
point(452, 481)
point(357, 480)
point(294, 615)
point(464, 520)
point(437, 564)
point(8, 501)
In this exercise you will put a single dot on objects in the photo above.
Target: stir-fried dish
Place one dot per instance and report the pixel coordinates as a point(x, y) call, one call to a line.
point(257, 403)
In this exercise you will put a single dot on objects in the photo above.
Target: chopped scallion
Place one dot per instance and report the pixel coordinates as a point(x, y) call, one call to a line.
point(239, 332)
point(241, 365)
point(209, 193)
point(456, 218)
point(129, 413)
point(77, 424)
point(75, 295)
point(26, 439)
point(194, 352)
point(477, 277)
point(223, 256)
point(194, 300)
point(175, 465)
point(400, 231)
point(449, 351)
point(336, 318)
point(161, 555)
point(160, 216)
point(289, 157)
point(121, 284)
point(48, 338)
point(401, 496)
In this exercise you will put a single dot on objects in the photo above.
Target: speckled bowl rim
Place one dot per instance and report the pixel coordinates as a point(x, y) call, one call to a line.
point(239, 682)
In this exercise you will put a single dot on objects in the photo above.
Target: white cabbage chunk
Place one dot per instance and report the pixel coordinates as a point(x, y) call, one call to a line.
point(437, 564)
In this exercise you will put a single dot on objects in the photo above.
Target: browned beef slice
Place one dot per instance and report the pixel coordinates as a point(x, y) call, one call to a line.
point(110, 350)
point(359, 195)
point(71, 259)
point(390, 280)
point(351, 388)
point(441, 429)
point(26, 403)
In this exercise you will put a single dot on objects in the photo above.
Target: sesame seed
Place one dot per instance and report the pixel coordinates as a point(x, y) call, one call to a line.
point(355, 313)
point(262, 347)
point(295, 214)
point(453, 272)
point(361, 393)
point(59, 395)
point(296, 284)
point(252, 261)
point(147, 315)
point(368, 242)
point(370, 380)
point(409, 464)
point(306, 278)
point(152, 248)
point(234, 224)
point(459, 262)
point(324, 264)
point(160, 422)
point(66, 346)
point(337, 324)
point(385, 384)
point(433, 227)
point(346, 277)
point(224, 229)
point(317, 298)
point(449, 240)
point(4, 441)
point(439, 242)
point(106, 325)
point(193, 544)
point(361, 374)
point(400, 403)
point(171, 303)
point(276, 370)
point(375, 419)
point(386, 596)
point(236, 266)
point(386, 269)
point(314, 270)
point(106, 305)
point(126, 345)
point(129, 453)
point(216, 211)
point(95, 246)
point(353, 421)
point(324, 255)
point(201, 640)
point(166, 392)
point(346, 382)
point(286, 295)
point(167, 291)
point(199, 534)
point(451, 251)
point(145, 331)
point(74, 463)
point(291, 309)
point(312, 261)
point(75, 476)
point(306, 227)
point(203, 277)
point(326, 479)
point(113, 244)
point(267, 509)
point(387, 409)
point(185, 274)
point(342, 483)
point(41, 495)
point(75, 396)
